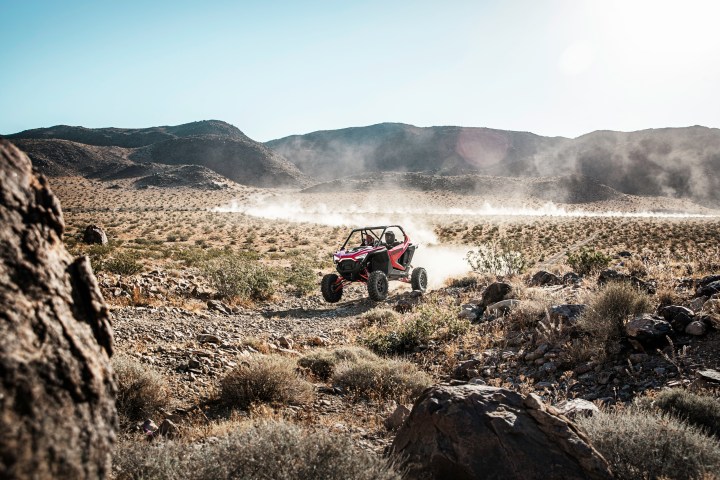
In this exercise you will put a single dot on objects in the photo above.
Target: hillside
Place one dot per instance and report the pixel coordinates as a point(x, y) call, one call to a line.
point(109, 153)
point(675, 162)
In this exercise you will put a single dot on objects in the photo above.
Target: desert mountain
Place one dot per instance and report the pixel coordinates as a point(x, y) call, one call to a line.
point(675, 162)
point(218, 147)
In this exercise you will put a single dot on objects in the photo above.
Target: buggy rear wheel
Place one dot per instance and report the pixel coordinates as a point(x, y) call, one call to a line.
point(418, 280)
point(331, 289)
point(377, 286)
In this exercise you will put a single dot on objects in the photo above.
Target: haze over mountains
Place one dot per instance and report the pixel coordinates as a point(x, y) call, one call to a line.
point(673, 162)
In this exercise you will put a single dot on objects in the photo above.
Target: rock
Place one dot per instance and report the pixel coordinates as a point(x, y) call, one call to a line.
point(496, 292)
point(710, 374)
point(285, 342)
point(624, 254)
point(208, 338)
point(94, 235)
point(463, 368)
point(696, 304)
point(571, 277)
point(543, 278)
point(168, 429)
point(57, 393)
point(476, 431)
point(678, 316)
point(397, 418)
point(468, 314)
point(577, 407)
point(648, 330)
point(711, 312)
point(615, 276)
point(219, 307)
point(502, 307)
point(317, 341)
point(696, 328)
point(708, 289)
point(567, 313)
point(149, 427)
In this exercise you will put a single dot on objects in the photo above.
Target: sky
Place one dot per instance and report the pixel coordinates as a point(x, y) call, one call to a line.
point(277, 68)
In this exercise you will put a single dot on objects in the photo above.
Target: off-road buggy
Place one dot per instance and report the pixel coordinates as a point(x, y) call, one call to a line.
point(374, 256)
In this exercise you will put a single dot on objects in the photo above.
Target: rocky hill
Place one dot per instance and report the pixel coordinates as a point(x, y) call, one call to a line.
point(109, 153)
point(675, 162)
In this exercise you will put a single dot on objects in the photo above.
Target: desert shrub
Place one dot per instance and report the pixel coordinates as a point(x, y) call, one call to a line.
point(265, 379)
point(501, 257)
point(639, 444)
point(700, 410)
point(381, 378)
point(235, 276)
point(586, 261)
point(125, 263)
point(429, 322)
point(380, 316)
point(322, 363)
point(302, 278)
point(468, 281)
point(141, 391)
point(270, 451)
point(604, 319)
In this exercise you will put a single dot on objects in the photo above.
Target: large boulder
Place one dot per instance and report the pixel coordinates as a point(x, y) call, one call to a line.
point(649, 330)
point(543, 278)
point(94, 235)
point(475, 431)
point(57, 407)
point(496, 292)
point(610, 275)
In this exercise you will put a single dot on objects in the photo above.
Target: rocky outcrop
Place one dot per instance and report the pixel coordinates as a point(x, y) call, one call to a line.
point(57, 408)
point(475, 431)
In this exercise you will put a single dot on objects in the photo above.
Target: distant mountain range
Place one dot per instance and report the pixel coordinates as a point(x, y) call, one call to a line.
point(673, 162)
point(110, 153)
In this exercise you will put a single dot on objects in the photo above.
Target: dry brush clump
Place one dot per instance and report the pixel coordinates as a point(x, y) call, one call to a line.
point(234, 276)
point(604, 319)
point(646, 445)
point(265, 379)
point(270, 451)
point(380, 378)
point(141, 391)
point(322, 363)
point(702, 411)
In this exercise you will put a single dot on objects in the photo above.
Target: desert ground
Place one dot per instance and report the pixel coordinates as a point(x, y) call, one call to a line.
point(183, 329)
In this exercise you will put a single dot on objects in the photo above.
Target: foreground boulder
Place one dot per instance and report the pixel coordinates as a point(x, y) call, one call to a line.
point(476, 431)
point(496, 292)
point(57, 408)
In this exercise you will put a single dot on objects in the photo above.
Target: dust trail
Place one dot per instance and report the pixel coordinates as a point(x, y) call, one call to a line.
point(321, 213)
point(441, 261)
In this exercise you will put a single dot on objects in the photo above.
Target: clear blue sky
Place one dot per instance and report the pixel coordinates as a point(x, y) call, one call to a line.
point(553, 67)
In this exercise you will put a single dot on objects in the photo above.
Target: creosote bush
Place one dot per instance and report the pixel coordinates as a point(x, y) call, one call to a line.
point(381, 378)
point(235, 276)
point(430, 321)
point(322, 363)
point(141, 391)
point(270, 451)
point(641, 444)
point(498, 257)
point(700, 410)
point(302, 278)
point(587, 261)
point(604, 319)
point(123, 263)
point(265, 379)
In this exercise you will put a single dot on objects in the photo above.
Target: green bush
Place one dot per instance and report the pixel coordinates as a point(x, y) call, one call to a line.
point(265, 379)
point(429, 322)
point(270, 451)
point(642, 445)
point(587, 261)
point(122, 264)
point(501, 257)
point(302, 278)
point(141, 391)
point(322, 363)
point(381, 378)
point(700, 410)
point(604, 319)
point(235, 276)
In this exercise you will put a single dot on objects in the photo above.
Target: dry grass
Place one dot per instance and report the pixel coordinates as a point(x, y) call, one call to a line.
point(701, 411)
point(270, 451)
point(266, 379)
point(322, 363)
point(639, 444)
point(381, 379)
point(141, 391)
